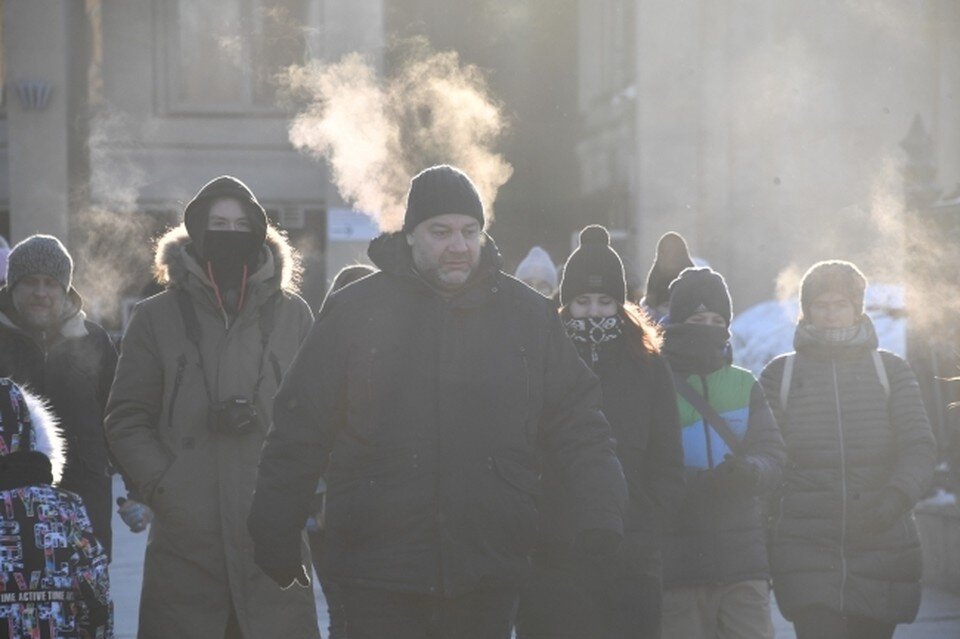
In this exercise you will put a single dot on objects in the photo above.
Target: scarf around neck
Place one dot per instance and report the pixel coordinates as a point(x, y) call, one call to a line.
point(860, 335)
point(590, 332)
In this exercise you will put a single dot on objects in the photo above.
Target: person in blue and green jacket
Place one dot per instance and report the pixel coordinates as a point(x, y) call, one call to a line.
point(716, 574)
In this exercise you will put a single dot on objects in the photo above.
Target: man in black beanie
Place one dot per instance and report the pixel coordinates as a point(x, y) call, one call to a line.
point(426, 396)
point(48, 344)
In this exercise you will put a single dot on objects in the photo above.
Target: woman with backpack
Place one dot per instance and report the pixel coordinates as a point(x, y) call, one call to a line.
point(570, 593)
point(845, 550)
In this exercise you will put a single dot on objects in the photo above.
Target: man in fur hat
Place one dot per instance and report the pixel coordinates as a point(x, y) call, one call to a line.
point(188, 413)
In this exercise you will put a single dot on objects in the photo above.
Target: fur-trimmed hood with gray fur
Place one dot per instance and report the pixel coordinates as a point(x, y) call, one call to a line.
point(173, 260)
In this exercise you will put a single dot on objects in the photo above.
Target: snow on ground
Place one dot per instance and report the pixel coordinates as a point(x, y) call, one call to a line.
point(766, 330)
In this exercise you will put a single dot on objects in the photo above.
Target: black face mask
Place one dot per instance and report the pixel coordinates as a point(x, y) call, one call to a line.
point(228, 252)
point(697, 348)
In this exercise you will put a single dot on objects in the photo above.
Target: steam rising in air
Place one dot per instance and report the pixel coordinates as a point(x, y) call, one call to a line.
point(377, 133)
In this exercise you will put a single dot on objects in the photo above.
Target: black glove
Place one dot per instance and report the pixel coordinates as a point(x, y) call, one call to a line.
point(878, 515)
point(286, 577)
point(597, 543)
point(735, 477)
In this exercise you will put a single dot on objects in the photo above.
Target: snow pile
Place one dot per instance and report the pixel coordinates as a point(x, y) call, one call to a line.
point(766, 330)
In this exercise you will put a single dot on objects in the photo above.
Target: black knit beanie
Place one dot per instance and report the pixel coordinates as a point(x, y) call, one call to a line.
point(699, 290)
point(440, 190)
point(672, 257)
point(593, 268)
point(833, 276)
point(197, 213)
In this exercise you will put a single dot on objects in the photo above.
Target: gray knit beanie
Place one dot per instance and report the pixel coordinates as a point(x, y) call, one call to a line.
point(40, 255)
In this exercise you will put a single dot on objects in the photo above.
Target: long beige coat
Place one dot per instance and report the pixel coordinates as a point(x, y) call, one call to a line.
point(199, 558)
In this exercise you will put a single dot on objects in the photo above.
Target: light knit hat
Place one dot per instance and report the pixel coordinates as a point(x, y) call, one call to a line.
point(537, 265)
point(40, 255)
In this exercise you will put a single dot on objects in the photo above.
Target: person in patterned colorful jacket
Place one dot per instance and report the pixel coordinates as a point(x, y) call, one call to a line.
point(716, 574)
point(53, 572)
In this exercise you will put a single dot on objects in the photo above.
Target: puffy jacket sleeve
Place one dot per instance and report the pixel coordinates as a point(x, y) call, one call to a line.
point(134, 407)
point(89, 564)
point(763, 444)
point(308, 411)
point(577, 438)
point(664, 468)
point(916, 451)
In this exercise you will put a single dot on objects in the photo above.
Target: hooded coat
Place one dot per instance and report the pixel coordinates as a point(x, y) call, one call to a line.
point(846, 442)
point(53, 572)
point(437, 414)
point(199, 558)
point(72, 368)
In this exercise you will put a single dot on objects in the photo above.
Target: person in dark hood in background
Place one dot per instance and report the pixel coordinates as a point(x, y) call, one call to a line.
point(845, 550)
point(716, 572)
point(48, 345)
point(672, 257)
point(188, 413)
point(426, 396)
point(617, 598)
point(52, 568)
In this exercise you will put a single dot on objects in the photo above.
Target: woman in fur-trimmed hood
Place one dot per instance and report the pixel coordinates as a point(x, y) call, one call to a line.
point(189, 410)
point(50, 530)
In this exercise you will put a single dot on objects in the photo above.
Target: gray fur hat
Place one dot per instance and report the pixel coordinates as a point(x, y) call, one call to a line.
point(40, 255)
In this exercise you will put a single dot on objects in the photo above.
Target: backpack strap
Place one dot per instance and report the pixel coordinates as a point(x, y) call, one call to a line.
point(785, 380)
point(191, 324)
point(709, 414)
point(881, 372)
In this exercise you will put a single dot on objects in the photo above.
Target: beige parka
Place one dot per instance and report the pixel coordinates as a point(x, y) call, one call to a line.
point(199, 557)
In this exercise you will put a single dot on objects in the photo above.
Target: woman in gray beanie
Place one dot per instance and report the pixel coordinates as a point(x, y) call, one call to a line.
point(845, 552)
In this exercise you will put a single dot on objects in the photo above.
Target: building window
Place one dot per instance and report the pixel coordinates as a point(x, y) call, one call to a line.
point(223, 57)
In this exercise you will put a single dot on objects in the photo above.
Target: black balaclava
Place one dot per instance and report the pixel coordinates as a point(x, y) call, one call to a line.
point(227, 257)
point(231, 257)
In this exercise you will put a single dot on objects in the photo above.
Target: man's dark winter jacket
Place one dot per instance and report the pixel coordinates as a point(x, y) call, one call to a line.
point(719, 537)
point(72, 368)
point(846, 443)
point(436, 415)
point(639, 402)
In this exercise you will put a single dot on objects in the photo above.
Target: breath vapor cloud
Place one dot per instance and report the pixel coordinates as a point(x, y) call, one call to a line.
point(376, 133)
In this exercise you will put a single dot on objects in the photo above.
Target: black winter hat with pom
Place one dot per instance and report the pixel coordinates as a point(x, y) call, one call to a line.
point(593, 268)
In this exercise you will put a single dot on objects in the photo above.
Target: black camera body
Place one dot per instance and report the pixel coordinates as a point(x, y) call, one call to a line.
point(235, 416)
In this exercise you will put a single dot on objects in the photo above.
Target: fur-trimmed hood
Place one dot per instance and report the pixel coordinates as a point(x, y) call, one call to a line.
point(172, 262)
point(48, 438)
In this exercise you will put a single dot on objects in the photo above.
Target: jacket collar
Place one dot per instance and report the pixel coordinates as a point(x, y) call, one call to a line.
point(72, 326)
point(391, 254)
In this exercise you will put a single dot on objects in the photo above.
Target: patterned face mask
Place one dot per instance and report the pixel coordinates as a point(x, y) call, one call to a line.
point(594, 331)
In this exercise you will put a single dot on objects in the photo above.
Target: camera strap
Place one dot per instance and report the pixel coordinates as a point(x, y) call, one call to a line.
point(191, 324)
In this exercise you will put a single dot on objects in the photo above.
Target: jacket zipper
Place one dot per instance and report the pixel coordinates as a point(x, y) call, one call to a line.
point(526, 389)
point(843, 488)
point(706, 427)
point(181, 365)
